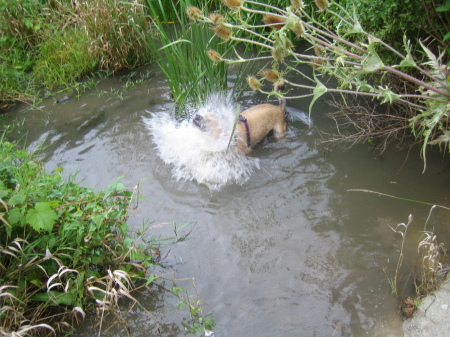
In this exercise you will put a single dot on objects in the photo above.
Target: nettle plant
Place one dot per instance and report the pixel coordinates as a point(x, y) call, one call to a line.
point(348, 54)
point(64, 249)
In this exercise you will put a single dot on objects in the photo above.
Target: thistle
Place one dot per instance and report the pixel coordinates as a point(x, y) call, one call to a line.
point(318, 50)
point(271, 75)
point(275, 21)
point(214, 56)
point(298, 29)
point(216, 18)
point(322, 4)
point(297, 4)
point(222, 32)
point(278, 54)
point(254, 83)
point(193, 13)
point(233, 4)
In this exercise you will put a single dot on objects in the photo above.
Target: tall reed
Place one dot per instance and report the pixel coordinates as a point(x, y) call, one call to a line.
point(181, 50)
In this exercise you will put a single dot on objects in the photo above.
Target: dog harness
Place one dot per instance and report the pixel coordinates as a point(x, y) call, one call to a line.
point(247, 130)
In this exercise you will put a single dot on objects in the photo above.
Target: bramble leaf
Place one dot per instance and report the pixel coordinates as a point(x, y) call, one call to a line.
point(42, 217)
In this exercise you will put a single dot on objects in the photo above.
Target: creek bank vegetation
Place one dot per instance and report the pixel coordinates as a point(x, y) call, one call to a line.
point(66, 250)
point(412, 80)
point(409, 78)
point(51, 45)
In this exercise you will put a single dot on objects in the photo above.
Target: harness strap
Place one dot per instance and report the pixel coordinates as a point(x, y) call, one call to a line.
point(243, 119)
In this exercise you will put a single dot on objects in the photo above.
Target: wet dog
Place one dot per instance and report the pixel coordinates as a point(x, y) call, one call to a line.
point(212, 146)
point(254, 124)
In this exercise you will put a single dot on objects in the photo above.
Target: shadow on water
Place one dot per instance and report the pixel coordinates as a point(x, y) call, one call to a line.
point(291, 252)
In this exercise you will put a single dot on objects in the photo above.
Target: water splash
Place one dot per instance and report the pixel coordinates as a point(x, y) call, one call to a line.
point(195, 155)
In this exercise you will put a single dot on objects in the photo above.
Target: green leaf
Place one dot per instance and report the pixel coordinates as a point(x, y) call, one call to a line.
point(443, 8)
point(318, 91)
point(56, 297)
point(113, 188)
point(17, 198)
point(408, 61)
point(42, 217)
point(373, 62)
point(16, 216)
point(4, 193)
point(357, 28)
point(446, 36)
point(150, 279)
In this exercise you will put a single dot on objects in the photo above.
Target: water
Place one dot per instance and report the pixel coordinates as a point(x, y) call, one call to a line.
point(291, 252)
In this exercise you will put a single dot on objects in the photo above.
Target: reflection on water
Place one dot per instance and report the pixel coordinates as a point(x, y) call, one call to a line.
point(289, 253)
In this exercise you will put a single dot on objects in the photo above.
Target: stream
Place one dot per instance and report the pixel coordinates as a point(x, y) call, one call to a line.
point(291, 252)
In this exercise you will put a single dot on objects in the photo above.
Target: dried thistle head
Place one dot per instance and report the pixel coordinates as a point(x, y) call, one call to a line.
point(278, 54)
point(271, 75)
point(214, 56)
point(193, 13)
point(233, 4)
point(298, 28)
point(297, 4)
point(216, 18)
point(274, 21)
point(322, 4)
point(222, 32)
point(254, 83)
point(318, 50)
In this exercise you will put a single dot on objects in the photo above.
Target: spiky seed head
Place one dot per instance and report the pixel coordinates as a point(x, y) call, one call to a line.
point(278, 54)
point(222, 32)
point(322, 4)
point(271, 75)
point(254, 83)
point(214, 56)
point(275, 21)
point(297, 4)
point(288, 43)
point(318, 50)
point(298, 28)
point(193, 13)
point(316, 64)
point(233, 4)
point(216, 18)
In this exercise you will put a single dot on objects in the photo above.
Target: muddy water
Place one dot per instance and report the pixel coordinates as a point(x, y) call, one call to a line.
point(290, 253)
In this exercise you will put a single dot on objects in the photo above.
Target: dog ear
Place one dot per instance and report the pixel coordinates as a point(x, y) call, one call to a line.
point(279, 86)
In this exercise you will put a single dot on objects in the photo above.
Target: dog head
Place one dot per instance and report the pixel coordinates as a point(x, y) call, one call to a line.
point(209, 124)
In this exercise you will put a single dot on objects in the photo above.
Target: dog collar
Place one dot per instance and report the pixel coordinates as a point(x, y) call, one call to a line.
point(247, 130)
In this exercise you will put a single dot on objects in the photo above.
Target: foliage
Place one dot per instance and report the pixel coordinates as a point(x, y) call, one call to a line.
point(180, 51)
point(55, 43)
point(348, 54)
point(66, 250)
point(63, 248)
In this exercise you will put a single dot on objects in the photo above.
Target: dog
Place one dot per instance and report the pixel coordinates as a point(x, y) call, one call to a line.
point(211, 147)
point(254, 124)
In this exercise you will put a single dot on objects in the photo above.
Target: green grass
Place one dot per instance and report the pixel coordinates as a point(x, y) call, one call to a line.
point(63, 246)
point(181, 48)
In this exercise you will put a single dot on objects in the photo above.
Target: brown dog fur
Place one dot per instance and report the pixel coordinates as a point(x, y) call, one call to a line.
point(261, 120)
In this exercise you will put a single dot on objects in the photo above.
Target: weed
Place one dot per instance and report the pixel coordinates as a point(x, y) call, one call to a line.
point(64, 249)
point(349, 54)
point(181, 51)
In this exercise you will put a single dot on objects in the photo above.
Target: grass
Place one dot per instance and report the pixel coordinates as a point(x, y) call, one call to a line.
point(181, 50)
point(48, 45)
point(66, 250)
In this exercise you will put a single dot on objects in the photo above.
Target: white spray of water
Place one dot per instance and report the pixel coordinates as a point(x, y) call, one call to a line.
point(195, 155)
